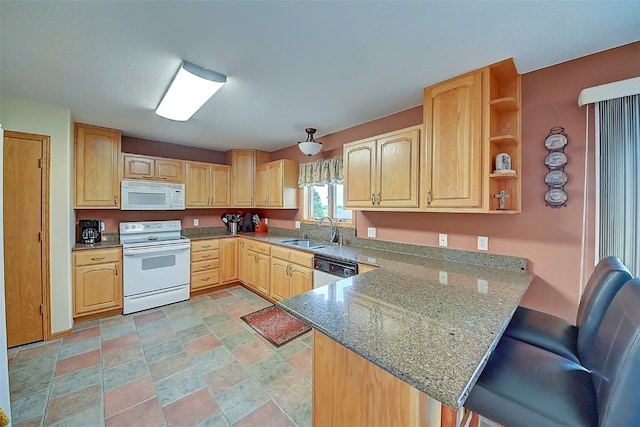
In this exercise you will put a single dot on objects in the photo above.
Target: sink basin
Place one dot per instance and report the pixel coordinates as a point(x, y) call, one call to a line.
point(302, 243)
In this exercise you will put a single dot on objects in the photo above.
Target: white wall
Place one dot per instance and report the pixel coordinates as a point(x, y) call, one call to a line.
point(23, 116)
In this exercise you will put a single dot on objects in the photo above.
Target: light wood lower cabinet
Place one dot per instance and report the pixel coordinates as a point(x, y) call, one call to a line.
point(257, 267)
point(205, 264)
point(228, 260)
point(291, 272)
point(242, 260)
point(97, 281)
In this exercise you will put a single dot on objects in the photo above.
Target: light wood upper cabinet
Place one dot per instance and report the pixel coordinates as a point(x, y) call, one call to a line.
point(207, 185)
point(453, 134)
point(151, 168)
point(468, 121)
point(382, 172)
point(97, 173)
point(277, 185)
point(97, 281)
point(243, 172)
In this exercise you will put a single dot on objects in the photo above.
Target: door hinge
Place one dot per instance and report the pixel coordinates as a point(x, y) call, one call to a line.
point(39, 163)
point(41, 309)
point(39, 236)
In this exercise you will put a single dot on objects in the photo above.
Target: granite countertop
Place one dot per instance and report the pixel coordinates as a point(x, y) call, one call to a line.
point(436, 337)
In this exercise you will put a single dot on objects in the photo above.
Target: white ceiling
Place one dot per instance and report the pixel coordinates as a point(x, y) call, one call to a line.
point(290, 65)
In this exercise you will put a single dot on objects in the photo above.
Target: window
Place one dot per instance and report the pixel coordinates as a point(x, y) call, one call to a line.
point(326, 200)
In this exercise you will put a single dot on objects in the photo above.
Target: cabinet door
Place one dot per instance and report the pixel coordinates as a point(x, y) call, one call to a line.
point(168, 170)
point(197, 191)
point(137, 167)
point(280, 280)
point(274, 184)
point(250, 266)
point(220, 185)
point(262, 186)
point(96, 288)
point(397, 170)
point(97, 156)
point(262, 274)
point(229, 260)
point(243, 169)
point(205, 279)
point(360, 174)
point(242, 260)
point(301, 279)
point(453, 124)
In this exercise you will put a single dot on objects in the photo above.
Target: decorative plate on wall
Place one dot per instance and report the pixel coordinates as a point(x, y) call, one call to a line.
point(555, 198)
point(556, 160)
point(556, 179)
point(555, 142)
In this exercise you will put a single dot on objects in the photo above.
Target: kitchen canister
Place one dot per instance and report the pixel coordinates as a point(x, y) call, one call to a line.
point(233, 228)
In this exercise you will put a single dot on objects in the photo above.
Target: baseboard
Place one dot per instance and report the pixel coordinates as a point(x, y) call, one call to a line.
point(60, 334)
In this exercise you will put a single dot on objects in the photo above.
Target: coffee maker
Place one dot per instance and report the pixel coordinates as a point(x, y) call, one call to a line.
point(89, 231)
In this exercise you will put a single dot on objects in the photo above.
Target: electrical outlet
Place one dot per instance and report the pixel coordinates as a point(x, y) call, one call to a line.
point(442, 240)
point(266, 221)
point(371, 232)
point(444, 278)
point(483, 243)
point(483, 286)
point(196, 222)
point(297, 224)
point(102, 226)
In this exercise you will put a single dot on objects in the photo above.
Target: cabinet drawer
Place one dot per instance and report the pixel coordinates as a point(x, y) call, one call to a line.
point(204, 265)
point(304, 259)
point(205, 255)
point(280, 252)
point(96, 256)
point(203, 245)
point(262, 248)
point(204, 279)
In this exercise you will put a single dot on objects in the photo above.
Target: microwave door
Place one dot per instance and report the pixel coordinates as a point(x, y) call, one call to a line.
point(147, 200)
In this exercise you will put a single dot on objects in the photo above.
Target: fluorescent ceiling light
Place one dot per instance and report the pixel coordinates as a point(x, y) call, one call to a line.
point(191, 87)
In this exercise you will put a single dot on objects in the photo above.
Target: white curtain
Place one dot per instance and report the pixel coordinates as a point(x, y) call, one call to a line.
point(328, 171)
point(618, 133)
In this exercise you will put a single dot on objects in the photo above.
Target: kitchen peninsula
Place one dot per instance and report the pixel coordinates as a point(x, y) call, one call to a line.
point(391, 346)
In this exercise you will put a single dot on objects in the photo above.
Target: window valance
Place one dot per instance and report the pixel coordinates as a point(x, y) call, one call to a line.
point(327, 171)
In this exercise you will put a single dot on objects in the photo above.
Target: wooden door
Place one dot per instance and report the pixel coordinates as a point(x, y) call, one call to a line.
point(220, 185)
point(97, 155)
point(168, 170)
point(301, 279)
point(453, 126)
point(197, 191)
point(359, 174)
point(397, 167)
point(229, 260)
point(137, 167)
point(280, 280)
point(275, 184)
point(243, 169)
point(262, 186)
point(26, 247)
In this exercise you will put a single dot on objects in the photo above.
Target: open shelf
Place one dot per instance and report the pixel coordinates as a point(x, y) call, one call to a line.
point(504, 175)
point(505, 104)
point(504, 140)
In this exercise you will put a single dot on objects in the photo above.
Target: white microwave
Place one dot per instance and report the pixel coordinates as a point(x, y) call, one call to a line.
point(151, 196)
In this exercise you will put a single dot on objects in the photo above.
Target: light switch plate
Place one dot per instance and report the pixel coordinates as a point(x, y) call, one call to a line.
point(443, 240)
point(196, 222)
point(297, 224)
point(483, 243)
point(483, 286)
point(444, 278)
point(371, 232)
point(266, 221)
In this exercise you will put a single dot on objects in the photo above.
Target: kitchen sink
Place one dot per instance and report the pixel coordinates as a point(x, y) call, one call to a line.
point(303, 243)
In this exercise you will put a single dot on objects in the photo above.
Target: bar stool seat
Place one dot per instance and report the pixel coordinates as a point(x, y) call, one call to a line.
point(561, 337)
point(524, 385)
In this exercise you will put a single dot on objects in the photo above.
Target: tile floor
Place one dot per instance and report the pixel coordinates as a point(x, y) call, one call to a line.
point(193, 363)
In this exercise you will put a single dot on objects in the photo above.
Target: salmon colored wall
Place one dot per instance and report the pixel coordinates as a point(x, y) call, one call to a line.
point(549, 238)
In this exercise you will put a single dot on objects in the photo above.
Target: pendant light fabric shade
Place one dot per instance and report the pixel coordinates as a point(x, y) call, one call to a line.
point(191, 87)
point(310, 147)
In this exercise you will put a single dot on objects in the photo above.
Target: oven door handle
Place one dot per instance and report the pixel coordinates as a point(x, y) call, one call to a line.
point(155, 250)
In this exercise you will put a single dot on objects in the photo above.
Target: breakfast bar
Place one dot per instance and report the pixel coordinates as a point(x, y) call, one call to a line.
point(405, 343)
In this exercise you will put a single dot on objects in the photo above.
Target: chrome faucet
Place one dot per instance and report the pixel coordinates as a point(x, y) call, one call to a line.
point(334, 231)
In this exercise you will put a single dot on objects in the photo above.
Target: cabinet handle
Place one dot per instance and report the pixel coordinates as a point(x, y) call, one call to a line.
point(206, 279)
point(116, 270)
point(97, 258)
point(115, 200)
point(206, 256)
point(206, 246)
point(378, 199)
point(373, 198)
point(162, 177)
point(147, 176)
point(428, 197)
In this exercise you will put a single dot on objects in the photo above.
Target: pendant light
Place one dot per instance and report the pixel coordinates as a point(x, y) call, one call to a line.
point(310, 147)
